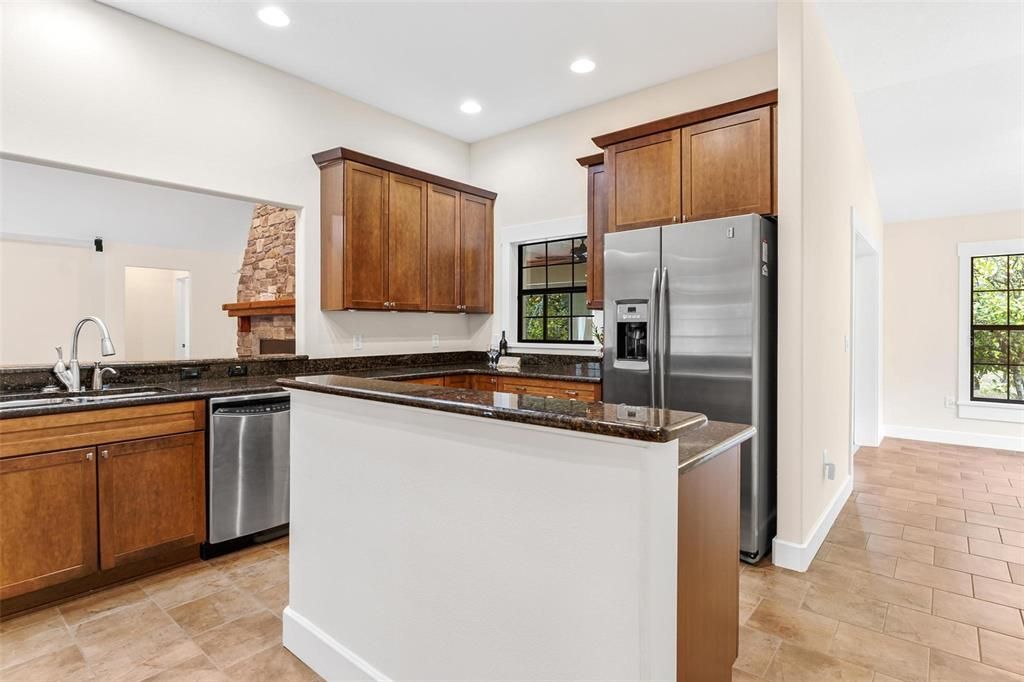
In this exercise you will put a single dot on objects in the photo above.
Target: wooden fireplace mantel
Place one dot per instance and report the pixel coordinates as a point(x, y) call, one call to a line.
point(249, 309)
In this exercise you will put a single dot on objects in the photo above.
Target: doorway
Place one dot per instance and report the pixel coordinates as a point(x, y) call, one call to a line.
point(866, 377)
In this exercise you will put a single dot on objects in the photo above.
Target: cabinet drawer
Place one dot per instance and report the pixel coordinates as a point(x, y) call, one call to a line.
point(485, 382)
point(458, 381)
point(427, 381)
point(571, 390)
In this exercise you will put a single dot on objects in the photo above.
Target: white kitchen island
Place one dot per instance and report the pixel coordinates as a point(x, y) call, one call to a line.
point(469, 541)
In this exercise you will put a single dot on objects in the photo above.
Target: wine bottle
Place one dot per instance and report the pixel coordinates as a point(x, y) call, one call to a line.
point(503, 344)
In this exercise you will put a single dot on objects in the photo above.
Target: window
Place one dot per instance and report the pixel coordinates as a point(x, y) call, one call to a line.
point(997, 328)
point(553, 292)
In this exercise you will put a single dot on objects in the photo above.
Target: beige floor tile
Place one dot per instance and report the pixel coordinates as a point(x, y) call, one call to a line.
point(1011, 537)
point(912, 495)
point(275, 664)
point(101, 603)
point(1002, 651)
point(1008, 511)
point(1008, 500)
point(261, 575)
point(969, 530)
point(142, 655)
point(1008, 522)
point(979, 612)
point(894, 591)
point(934, 576)
point(31, 641)
point(883, 501)
point(967, 505)
point(276, 598)
point(867, 524)
point(215, 609)
point(938, 511)
point(184, 585)
point(949, 668)
point(858, 559)
point(935, 539)
point(824, 573)
point(756, 651)
point(241, 638)
point(999, 592)
point(198, 668)
point(795, 664)
point(969, 563)
point(65, 664)
point(246, 557)
point(868, 649)
point(847, 537)
point(740, 676)
point(1017, 573)
point(799, 626)
point(909, 518)
point(997, 550)
point(932, 631)
point(44, 617)
point(901, 548)
point(773, 585)
point(849, 607)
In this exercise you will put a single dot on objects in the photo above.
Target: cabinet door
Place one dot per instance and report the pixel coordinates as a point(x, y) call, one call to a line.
point(727, 166)
point(443, 228)
point(152, 497)
point(428, 381)
point(643, 182)
point(485, 382)
point(366, 236)
point(47, 520)
point(597, 224)
point(458, 381)
point(477, 254)
point(407, 243)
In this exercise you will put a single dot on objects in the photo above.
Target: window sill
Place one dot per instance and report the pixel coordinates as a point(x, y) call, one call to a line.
point(554, 348)
point(969, 409)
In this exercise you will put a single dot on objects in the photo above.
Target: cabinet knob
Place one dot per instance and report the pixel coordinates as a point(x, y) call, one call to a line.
point(105, 454)
point(572, 392)
point(674, 219)
point(88, 457)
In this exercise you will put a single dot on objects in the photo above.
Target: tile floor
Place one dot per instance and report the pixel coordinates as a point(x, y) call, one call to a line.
point(921, 578)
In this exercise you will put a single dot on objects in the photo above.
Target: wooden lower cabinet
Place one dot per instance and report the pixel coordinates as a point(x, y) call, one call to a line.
point(485, 382)
point(47, 520)
point(427, 381)
point(151, 497)
point(547, 388)
point(458, 381)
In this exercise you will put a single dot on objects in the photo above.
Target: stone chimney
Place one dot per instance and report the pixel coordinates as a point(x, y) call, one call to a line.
point(267, 274)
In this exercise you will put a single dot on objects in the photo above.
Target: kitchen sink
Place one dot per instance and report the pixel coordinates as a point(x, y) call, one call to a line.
point(108, 396)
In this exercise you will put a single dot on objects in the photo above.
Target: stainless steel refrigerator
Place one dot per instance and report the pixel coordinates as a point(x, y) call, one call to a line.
point(690, 324)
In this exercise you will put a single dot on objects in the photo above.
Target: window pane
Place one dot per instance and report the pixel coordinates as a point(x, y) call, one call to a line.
point(533, 305)
point(579, 278)
point(533, 254)
point(558, 329)
point(990, 307)
point(579, 251)
point(533, 278)
point(558, 305)
point(1017, 348)
point(533, 329)
point(989, 273)
point(990, 347)
point(989, 382)
point(1017, 383)
point(579, 304)
point(1017, 307)
point(560, 276)
point(560, 252)
point(582, 328)
point(1017, 272)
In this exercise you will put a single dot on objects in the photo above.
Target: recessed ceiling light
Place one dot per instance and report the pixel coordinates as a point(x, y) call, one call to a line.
point(582, 65)
point(470, 106)
point(274, 16)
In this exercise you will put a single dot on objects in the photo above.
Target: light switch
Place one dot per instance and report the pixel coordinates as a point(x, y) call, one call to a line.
point(435, 341)
point(357, 342)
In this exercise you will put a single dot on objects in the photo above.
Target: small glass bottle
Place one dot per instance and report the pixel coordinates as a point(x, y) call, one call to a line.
point(503, 344)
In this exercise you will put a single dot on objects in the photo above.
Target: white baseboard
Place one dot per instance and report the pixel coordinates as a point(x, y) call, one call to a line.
point(328, 658)
point(978, 440)
point(797, 557)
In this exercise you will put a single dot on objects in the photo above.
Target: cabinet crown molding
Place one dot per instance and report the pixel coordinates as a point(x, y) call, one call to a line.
point(329, 157)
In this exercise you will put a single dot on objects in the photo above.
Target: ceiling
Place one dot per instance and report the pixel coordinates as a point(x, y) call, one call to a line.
point(421, 60)
point(940, 95)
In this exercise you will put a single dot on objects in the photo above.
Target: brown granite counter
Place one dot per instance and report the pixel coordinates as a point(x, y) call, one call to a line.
point(622, 421)
point(589, 372)
point(712, 438)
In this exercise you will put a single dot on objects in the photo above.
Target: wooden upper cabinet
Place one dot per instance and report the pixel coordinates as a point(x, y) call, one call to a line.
point(597, 225)
point(727, 166)
point(444, 293)
point(47, 520)
point(366, 236)
point(644, 182)
point(152, 497)
point(477, 254)
point(407, 244)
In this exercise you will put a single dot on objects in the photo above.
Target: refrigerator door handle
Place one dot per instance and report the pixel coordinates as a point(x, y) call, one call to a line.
point(652, 338)
point(663, 337)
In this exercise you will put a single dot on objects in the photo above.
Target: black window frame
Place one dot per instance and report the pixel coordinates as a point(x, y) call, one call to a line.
point(1008, 328)
point(570, 290)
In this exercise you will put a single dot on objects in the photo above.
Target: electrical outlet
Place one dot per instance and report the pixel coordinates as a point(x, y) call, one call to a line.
point(357, 342)
point(435, 340)
point(829, 467)
point(950, 401)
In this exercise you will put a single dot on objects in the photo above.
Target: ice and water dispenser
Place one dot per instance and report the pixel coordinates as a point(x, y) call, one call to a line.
point(631, 334)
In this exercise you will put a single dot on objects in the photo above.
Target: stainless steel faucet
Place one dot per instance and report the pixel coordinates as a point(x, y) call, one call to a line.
point(70, 376)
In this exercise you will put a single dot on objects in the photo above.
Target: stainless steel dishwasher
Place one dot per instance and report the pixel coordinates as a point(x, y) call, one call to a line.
point(247, 467)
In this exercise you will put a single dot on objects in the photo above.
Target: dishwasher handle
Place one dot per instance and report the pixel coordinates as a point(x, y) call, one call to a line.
point(251, 410)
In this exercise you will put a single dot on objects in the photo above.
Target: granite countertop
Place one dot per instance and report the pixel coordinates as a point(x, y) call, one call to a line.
point(589, 372)
point(623, 421)
point(703, 443)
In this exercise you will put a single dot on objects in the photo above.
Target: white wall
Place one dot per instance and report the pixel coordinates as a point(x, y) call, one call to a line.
point(86, 85)
point(823, 172)
point(150, 313)
point(921, 328)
